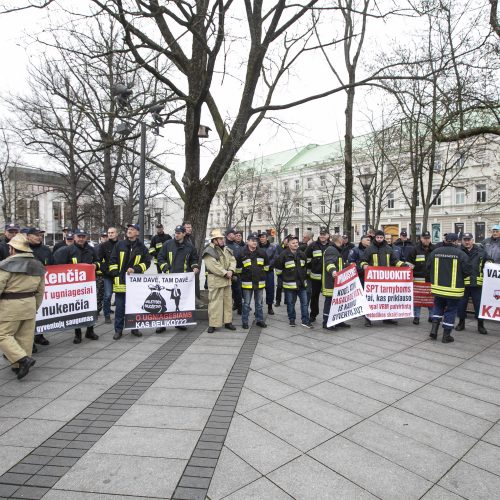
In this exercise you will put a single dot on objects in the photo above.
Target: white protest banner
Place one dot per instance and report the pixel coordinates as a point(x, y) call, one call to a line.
point(70, 299)
point(490, 294)
point(348, 300)
point(389, 292)
point(159, 300)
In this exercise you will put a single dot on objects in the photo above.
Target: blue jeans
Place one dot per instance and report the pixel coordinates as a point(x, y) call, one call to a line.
point(247, 300)
point(291, 298)
point(417, 309)
point(475, 293)
point(119, 311)
point(446, 309)
point(270, 288)
point(108, 292)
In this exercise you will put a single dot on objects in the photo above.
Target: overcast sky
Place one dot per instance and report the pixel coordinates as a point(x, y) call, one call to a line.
point(318, 122)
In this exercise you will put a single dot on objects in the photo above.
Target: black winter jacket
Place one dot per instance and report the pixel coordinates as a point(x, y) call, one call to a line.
point(74, 254)
point(380, 255)
point(175, 257)
point(403, 249)
point(43, 254)
point(252, 268)
point(104, 251)
point(332, 261)
point(127, 254)
point(314, 255)
point(292, 269)
point(448, 267)
point(418, 257)
point(477, 257)
point(157, 242)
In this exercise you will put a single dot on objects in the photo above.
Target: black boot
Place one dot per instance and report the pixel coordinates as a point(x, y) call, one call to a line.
point(368, 323)
point(416, 321)
point(480, 327)
point(34, 349)
point(136, 333)
point(78, 336)
point(211, 329)
point(434, 330)
point(270, 310)
point(461, 325)
point(41, 340)
point(89, 334)
point(24, 366)
point(447, 338)
point(229, 326)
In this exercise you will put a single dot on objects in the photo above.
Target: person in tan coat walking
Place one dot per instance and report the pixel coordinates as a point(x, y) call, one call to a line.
point(21, 292)
point(220, 265)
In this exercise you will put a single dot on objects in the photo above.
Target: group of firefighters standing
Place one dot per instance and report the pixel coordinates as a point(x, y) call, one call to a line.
point(236, 271)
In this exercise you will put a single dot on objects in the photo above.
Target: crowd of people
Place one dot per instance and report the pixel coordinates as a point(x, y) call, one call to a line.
point(236, 270)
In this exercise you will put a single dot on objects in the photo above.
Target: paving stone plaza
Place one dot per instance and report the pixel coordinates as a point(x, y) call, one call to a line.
point(277, 413)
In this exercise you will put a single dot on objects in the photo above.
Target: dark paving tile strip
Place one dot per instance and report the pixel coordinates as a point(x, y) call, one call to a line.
point(37, 472)
point(195, 480)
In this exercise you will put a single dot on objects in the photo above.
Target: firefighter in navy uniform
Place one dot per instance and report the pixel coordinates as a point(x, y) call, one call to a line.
point(157, 242)
point(43, 254)
point(418, 259)
point(104, 251)
point(79, 253)
point(332, 262)
point(11, 230)
point(129, 256)
point(271, 250)
point(448, 267)
point(252, 266)
point(314, 256)
point(473, 284)
point(177, 256)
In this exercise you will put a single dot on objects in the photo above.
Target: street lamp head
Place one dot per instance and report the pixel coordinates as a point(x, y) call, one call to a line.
point(366, 180)
point(122, 94)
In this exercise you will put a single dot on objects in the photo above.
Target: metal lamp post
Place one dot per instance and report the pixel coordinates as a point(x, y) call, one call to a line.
point(366, 182)
point(245, 217)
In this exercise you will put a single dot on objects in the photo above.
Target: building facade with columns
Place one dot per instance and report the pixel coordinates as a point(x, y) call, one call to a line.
point(302, 189)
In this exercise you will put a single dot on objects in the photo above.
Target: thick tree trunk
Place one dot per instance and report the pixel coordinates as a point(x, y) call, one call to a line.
point(349, 111)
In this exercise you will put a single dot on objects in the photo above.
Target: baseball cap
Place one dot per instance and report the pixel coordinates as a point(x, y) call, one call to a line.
point(24, 230)
point(425, 234)
point(158, 226)
point(66, 228)
point(291, 237)
point(451, 237)
point(263, 233)
point(80, 232)
point(35, 230)
point(323, 230)
point(69, 236)
point(253, 236)
point(496, 227)
point(180, 229)
point(104, 233)
point(403, 233)
point(12, 227)
point(230, 230)
point(135, 226)
point(467, 236)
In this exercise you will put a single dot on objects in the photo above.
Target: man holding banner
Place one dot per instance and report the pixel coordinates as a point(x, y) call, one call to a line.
point(129, 256)
point(78, 253)
point(422, 291)
point(381, 254)
point(448, 267)
point(177, 256)
point(332, 263)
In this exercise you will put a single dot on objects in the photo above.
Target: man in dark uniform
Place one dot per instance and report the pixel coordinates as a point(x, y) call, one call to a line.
point(473, 284)
point(128, 257)
point(346, 247)
point(177, 256)
point(21, 292)
point(42, 253)
point(78, 253)
point(314, 253)
point(271, 250)
point(279, 287)
point(447, 267)
point(11, 230)
point(157, 242)
point(252, 265)
point(104, 251)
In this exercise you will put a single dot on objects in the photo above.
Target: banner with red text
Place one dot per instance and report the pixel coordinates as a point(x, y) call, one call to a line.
point(490, 294)
point(348, 300)
point(389, 292)
point(422, 296)
point(160, 300)
point(70, 299)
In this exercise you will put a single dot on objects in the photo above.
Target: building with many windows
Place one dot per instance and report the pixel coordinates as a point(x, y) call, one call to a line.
point(302, 189)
